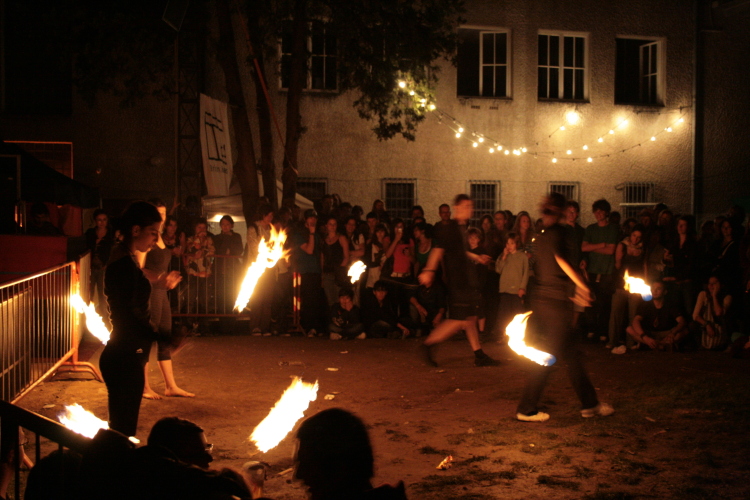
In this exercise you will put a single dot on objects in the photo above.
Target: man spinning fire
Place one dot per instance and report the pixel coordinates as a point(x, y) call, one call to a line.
point(552, 312)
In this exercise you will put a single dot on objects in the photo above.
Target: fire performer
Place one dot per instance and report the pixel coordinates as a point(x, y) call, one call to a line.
point(550, 323)
point(128, 291)
point(462, 282)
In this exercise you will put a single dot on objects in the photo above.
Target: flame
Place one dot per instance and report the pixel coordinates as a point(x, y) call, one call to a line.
point(94, 322)
point(637, 285)
point(516, 331)
point(269, 254)
point(75, 418)
point(284, 415)
point(356, 270)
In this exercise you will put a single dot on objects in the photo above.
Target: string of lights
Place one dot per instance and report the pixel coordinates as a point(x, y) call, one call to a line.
point(577, 153)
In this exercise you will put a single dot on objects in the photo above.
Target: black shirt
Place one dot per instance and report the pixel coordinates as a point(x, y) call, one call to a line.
point(550, 280)
point(460, 272)
point(128, 292)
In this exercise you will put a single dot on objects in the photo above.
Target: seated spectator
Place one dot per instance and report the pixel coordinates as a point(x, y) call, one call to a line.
point(40, 225)
point(334, 459)
point(710, 315)
point(380, 315)
point(656, 324)
point(345, 318)
point(427, 307)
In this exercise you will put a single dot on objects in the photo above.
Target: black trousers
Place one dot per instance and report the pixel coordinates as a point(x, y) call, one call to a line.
point(313, 305)
point(549, 330)
point(603, 289)
point(123, 375)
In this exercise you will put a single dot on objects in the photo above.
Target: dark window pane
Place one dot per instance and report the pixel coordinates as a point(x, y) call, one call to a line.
point(554, 83)
point(501, 89)
point(488, 48)
point(653, 58)
point(467, 62)
point(644, 60)
point(567, 84)
point(501, 48)
point(580, 53)
point(554, 51)
point(331, 69)
point(568, 51)
point(286, 37)
point(317, 72)
point(653, 97)
point(542, 83)
point(543, 50)
point(330, 44)
point(488, 87)
point(579, 84)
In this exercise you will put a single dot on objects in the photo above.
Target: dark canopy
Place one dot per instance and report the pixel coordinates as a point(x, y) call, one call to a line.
point(42, 183)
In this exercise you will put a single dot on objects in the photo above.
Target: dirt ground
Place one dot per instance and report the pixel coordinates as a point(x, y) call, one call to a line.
point(680, 430)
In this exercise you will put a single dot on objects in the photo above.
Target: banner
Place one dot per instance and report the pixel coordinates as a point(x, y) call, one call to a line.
point(216, 147)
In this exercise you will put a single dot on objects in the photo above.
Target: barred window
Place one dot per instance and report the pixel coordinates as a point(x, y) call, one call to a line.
point(635, 197)
point(312, 188)
point(567, 189)
point(399, 196)
point(486, 198)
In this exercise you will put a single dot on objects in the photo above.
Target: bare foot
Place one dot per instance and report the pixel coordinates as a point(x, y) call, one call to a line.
point(151, 395)
point(178, 393)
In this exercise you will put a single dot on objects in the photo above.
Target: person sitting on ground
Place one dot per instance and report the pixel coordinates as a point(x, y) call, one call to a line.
point(657, 324)
point(380, 315)
point(345, 318)
point(427, 307)
point(709, 325)
point(334, 459)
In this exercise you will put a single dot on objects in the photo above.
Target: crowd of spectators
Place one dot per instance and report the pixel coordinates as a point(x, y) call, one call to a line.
point(700, 279)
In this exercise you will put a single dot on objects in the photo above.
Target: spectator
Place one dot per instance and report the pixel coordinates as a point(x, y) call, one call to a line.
point(380, 315)
point(335, 260)
point(681, 263)
point(261, 302)
point(577, 233)
point(710, 315)
point(198, 259)
point(513, 268)
point(401, 255)
point(600, 241)
point(345, 318)
point(307, 249)
point(525, 230)
point(656, 324)
point(422, 245)
point(99, 240)
point(228, 249)
point(40, 225)
point(334, 459)
point(474, 238)
point(444, 211)
point(630, 259)
point(428, 305)
point(375, 254)
point(726, 257)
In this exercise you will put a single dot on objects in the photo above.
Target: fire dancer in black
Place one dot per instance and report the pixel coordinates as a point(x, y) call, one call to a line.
point(128, 291)
point(464, 296)
point(550, 323)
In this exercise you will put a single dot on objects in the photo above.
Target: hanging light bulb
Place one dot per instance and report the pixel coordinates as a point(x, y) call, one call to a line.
point(653, 137)
point(461, 129)
point(569, 152)
point(481, 139)
point(589, 159)
point(668, 129)
point(507, 151)
point(554, 160)
point(431, 107)
point(474, 144)
point(572, 117)
point(499, 147)
point(623, 123)
point(524, 149)
point(611, 131)
point(402, 84)
point(492, 150)
point(681, 120)
point(585, 147)
point(601, 139)
point(458, 135)
point(562, 127)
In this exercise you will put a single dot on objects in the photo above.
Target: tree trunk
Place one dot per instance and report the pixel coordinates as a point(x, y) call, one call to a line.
point(297, 83)
point(245, 166)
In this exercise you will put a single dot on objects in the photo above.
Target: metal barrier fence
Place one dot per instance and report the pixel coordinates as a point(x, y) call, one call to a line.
point(12, 420)
point(39, 330)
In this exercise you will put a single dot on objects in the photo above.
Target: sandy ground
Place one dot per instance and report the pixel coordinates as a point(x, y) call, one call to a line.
point(678, 431)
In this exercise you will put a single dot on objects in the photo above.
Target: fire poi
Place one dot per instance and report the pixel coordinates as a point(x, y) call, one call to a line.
point(356, 270)
point(94, 322)
point(516, 331)
point(637, 285)
point(269, 253)
point(81, 421)
point(285, 414)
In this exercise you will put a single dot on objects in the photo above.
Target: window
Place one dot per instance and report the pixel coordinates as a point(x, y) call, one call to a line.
point(321, 66)
point(635, 197)
point(486, 198)
point(399, 196)
point(312, 188)
point(562, 66)
point(567, 189)
point(483, 63)
point(639, 71)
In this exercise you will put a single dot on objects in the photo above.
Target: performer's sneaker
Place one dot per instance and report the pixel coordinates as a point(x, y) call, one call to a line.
point(539, 416)
point(334, 336)
point(486, 361)
point(428, 354)
point(602, 409)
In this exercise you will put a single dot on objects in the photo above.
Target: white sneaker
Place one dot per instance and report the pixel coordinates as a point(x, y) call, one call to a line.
point(539, 417)
point(335, 336)
point(602, 409)
point(361, 336)
point(313, 332)
point(620, 349)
